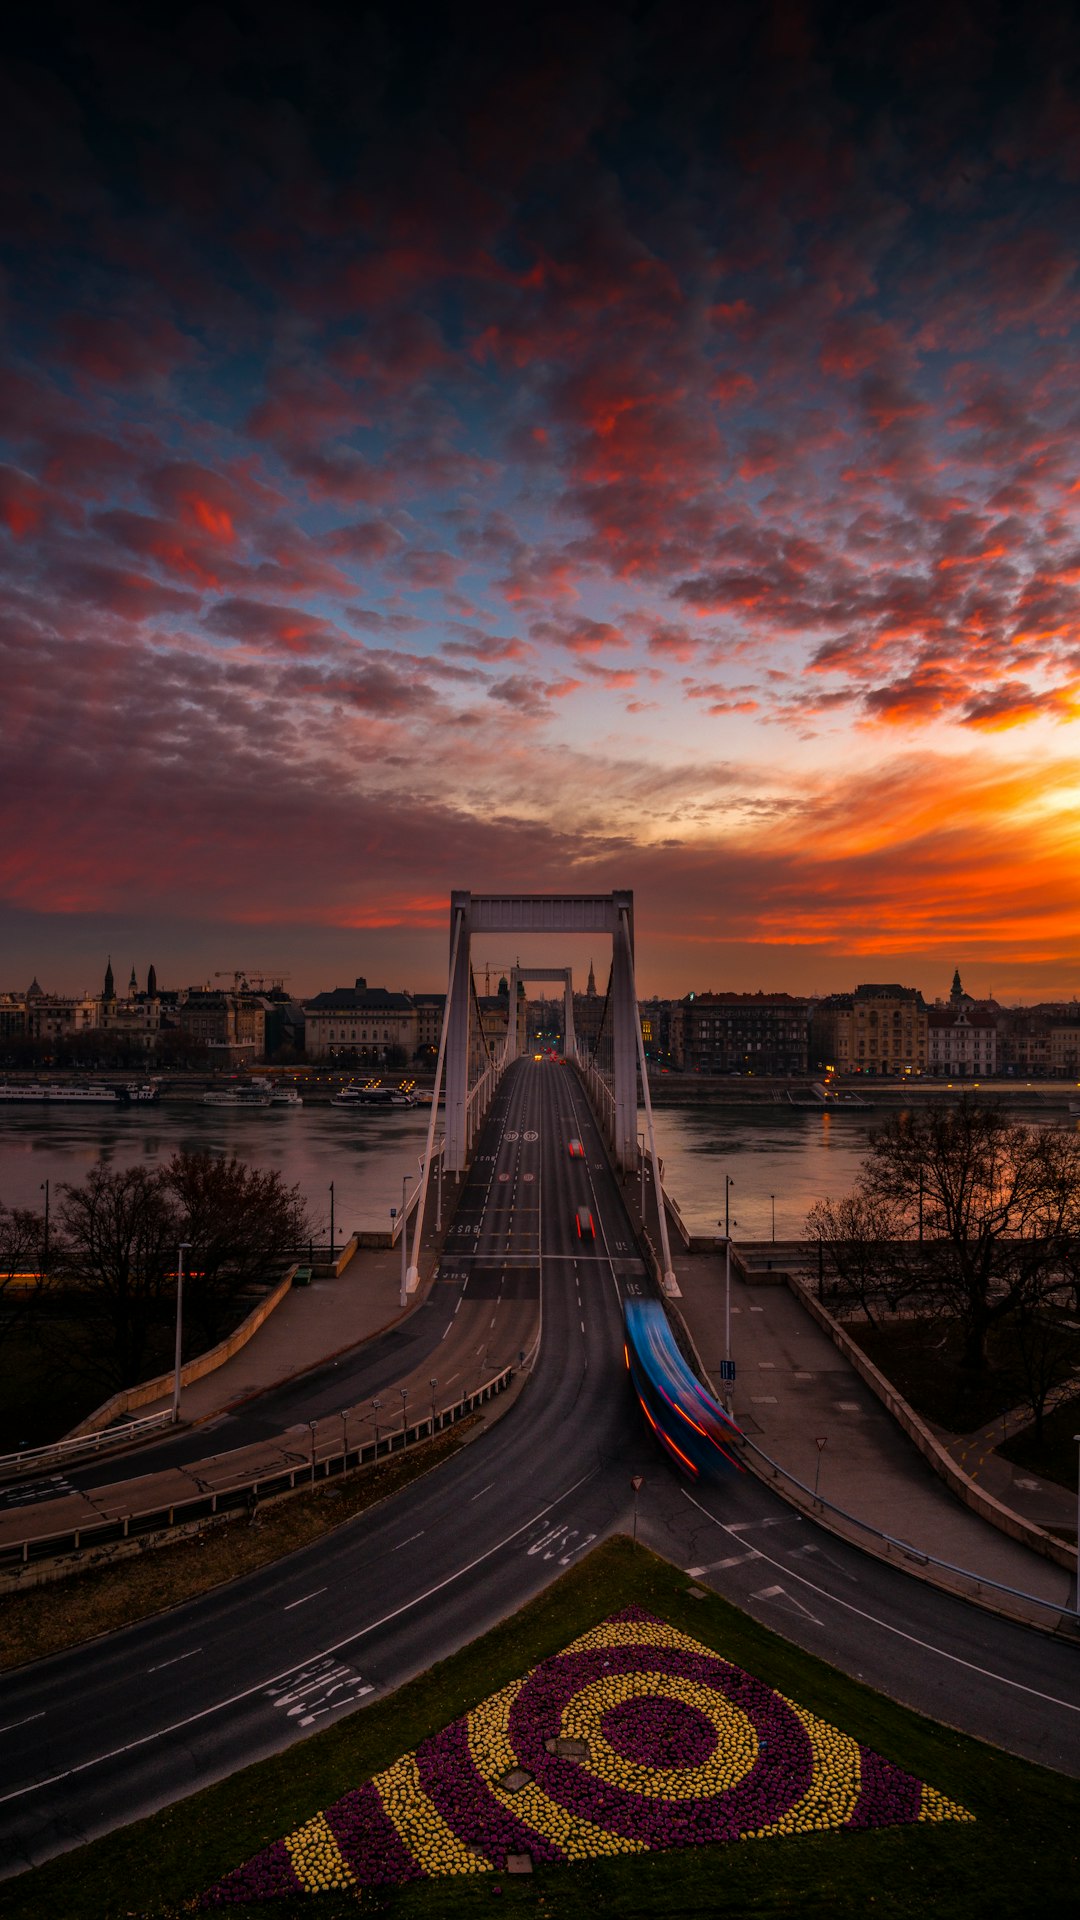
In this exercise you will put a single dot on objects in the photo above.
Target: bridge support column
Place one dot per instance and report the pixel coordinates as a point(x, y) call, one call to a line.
point(457, 1036)
point(624, 1033)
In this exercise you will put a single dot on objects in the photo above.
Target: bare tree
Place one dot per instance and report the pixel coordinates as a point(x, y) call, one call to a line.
point(116, 1251)
point(1046, 1355)
point(241, 1223)
point(857, 1260)
point(22, 1275)
point(985, 1214)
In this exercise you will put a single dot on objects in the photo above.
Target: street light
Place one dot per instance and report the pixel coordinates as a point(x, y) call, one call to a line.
point(404, 1301)
point(375, 1405)
point(404, 1392)
point(728, 1184)
point(772, 1198)
point(344, 1443)
point(313, 1424)
point(433, 1383)
point(1076, 1442)
point(45, 1245)
point(331, 1220)
point(641, 1161)
point(184, 1247)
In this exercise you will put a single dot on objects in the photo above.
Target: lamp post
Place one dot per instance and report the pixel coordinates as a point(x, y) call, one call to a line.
point(404, 1392)
point(404, 1301)
point(375, 1405)
point(45, 1242)
point(313, 1424)
point(641, 1163)
point(438, 1188)
point(1076, 1442)
point(728, 1184)
point(772, 1198)
point(433, 1383)
point(344, 1444)
point(184, 1247)
point(331, 1220)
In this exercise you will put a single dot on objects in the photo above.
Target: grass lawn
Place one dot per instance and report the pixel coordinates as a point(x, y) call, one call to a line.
point(1021, 1856)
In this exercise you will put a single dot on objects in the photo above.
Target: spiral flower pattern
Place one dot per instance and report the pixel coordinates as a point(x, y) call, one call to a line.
point(635, 1737)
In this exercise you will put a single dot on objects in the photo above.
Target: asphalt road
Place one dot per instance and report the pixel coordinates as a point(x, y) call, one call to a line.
point(102, 1735)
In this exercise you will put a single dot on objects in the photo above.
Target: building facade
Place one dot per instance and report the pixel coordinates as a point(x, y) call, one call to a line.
point(875, 1030)
point(760, 1033)
point(359, 1021)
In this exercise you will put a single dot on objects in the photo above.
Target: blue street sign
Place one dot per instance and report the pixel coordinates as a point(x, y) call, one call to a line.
point(727, 1370)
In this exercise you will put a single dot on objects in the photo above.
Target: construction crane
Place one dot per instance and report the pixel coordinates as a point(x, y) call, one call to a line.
point(488, 966)
point(240, 976)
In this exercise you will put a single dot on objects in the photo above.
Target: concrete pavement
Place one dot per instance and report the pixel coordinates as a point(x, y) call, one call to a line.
point(794, 1388)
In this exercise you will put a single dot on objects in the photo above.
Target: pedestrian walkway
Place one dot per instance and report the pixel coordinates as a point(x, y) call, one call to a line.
point(803, 1404)
point(1041, 1501)
point(312, 1325)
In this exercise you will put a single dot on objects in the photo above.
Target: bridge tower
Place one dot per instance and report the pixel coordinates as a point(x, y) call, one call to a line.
point(566, 975)
point(611, 914)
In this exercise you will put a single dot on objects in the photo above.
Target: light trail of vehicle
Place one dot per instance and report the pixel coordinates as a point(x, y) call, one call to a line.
point(263, 1686)
point(873, 1620)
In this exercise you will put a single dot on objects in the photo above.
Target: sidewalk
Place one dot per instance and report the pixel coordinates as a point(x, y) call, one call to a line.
point(794, 1388)
point(311, 1325)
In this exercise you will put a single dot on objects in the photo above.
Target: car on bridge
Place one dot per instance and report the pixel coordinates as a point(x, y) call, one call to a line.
point(576, 1150)
point(585, 1228)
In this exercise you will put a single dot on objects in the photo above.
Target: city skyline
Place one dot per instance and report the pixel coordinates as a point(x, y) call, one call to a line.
point(542, 454)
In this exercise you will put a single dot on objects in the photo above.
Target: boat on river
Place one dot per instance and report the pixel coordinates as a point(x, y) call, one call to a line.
point(256, 1097)
point(285, 1097)
point(374, 1096)
point(36, 1091)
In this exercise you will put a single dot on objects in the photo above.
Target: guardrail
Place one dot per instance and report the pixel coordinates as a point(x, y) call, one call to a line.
point(897, 1549)
point(12, 1465)
point(242, 1495)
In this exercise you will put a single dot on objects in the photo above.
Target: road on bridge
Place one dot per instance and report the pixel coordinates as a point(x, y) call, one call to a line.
point(104, 1734)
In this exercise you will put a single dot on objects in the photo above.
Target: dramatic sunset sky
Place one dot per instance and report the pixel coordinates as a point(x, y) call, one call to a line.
point(542, 447)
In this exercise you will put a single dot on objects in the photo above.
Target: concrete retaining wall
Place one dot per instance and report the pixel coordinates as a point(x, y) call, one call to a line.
point(960, 1483)
point(129, 1399)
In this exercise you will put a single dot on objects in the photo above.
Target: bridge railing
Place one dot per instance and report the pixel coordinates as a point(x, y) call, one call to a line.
point(82, 1446)
point(161, 1518)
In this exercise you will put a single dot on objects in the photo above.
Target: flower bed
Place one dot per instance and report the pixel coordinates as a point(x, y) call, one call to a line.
point(634, 1737)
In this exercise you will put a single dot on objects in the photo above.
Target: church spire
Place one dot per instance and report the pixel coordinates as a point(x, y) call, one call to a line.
point(956, 991)
point(110, 988)
point(133, 985)
point(591, 985)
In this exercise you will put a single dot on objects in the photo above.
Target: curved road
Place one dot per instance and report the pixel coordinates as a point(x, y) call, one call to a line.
point(102, 1735)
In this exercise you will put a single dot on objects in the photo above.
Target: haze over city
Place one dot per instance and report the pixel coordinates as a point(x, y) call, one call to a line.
point(542, 451)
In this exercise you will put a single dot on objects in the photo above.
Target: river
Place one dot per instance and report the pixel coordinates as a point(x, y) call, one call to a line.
point(780, 1156)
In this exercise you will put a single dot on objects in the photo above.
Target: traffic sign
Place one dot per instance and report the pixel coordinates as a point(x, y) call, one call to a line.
point(637, 1482)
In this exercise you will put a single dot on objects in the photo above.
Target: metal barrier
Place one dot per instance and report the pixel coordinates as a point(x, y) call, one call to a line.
point(14, 1464)
point(915, 1555)
point(245, 1494)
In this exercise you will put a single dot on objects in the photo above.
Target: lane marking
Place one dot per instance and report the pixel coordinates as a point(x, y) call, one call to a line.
point(487, 1489)
point(12, 1724)
point(162, 1664)
point(304, 1598)
point(177, 1726)
point(409, 1541)
point(925, 1646)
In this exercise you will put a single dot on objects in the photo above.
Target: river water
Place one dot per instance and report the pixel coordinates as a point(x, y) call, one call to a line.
point(780, 1156)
